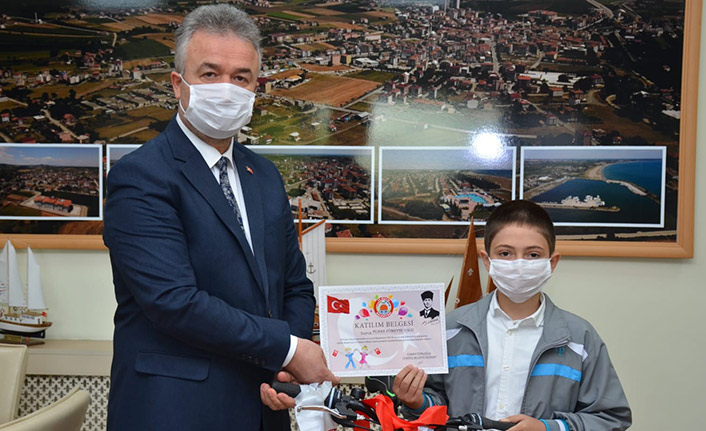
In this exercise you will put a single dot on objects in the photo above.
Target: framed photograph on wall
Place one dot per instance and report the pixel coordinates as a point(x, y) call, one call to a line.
point(597, 186)
point(51, 182)
point(382, 76)
point(443, 185)
point(333, 183)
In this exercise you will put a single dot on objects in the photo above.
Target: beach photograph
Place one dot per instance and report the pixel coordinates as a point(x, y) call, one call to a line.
point(596, 186)
point(51, 181)
point(443, 185)
point(333, 183)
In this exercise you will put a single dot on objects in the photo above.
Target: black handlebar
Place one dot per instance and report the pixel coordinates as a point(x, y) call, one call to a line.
point(348, 404)
point(491, 424)
point(476, 421)
point(287, 388)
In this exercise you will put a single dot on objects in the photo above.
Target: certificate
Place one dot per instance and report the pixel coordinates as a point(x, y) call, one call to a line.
point(377, 330)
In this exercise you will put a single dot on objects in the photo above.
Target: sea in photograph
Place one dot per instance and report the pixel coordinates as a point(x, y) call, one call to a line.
point(645, 173)
point(633, 208)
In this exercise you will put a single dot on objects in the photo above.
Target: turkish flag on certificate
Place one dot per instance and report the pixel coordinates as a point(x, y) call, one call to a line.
point(336, 305)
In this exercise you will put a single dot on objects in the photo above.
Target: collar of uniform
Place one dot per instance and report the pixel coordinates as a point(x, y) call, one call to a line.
point(209, 153)
point(536, 318)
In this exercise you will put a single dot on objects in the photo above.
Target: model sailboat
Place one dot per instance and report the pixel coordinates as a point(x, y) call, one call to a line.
point(21, 313)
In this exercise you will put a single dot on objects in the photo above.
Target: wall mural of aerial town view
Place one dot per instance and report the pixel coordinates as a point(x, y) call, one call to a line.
point(387, 118)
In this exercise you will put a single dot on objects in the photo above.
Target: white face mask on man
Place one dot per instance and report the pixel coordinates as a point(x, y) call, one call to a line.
point(218, 110)
point(520, 279)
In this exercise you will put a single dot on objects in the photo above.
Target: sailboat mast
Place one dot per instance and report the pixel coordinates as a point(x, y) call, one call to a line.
point(16, 294)
point(4, 274)
point(35, 298)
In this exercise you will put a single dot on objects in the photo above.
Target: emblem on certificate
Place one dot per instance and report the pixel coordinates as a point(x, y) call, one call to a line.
point(378, 329)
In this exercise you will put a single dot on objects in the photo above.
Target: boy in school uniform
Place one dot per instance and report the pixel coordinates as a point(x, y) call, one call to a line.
point(514, 355)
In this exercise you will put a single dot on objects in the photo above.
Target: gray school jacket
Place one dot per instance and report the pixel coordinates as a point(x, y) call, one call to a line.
point(572, 383)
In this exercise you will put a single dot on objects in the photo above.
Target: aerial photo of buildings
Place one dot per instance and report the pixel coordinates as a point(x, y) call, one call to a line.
point(326, 182)
point(375, 73)
point(44, 182)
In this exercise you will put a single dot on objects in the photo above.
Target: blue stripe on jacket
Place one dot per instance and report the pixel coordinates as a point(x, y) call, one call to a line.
point(555, 370)
point(466, 361)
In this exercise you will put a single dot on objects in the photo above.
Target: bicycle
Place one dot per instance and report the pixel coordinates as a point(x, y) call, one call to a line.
point(347, 409)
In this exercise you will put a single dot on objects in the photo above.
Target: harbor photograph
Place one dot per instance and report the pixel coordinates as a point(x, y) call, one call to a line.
point(596, 186)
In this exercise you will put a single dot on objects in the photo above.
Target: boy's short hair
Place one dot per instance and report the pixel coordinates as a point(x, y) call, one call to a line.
point(523, 213)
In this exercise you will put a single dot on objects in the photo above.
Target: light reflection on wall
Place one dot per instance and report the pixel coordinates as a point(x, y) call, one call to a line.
point(487, 145)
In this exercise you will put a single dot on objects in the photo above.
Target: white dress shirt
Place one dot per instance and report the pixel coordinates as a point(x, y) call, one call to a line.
point(510, 347)
point(211, 156)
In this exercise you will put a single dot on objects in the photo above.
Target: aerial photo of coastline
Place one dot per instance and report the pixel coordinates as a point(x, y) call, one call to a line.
point(447, 185)
point(45, 182)
point(331, 183)
point(614, 186)
point(377, 73)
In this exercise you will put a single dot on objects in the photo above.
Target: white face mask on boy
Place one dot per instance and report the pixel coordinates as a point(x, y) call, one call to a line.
point(520, 279)
point(218, 110)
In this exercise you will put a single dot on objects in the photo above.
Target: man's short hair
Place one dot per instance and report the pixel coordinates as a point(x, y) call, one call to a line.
point(223, 19)
point(523, 213)
point(428, 294)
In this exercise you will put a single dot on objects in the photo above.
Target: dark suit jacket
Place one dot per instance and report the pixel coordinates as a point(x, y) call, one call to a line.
point(201, 322)
point(432, 313)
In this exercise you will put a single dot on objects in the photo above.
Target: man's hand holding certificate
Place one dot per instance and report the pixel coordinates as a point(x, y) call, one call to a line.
point(378, 330)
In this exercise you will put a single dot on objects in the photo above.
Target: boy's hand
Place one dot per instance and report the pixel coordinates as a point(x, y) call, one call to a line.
point(408, 386)
point(525, 423)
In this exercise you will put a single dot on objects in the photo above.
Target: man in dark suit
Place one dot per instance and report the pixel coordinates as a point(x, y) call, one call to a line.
point(212, 293)
point(428, 312)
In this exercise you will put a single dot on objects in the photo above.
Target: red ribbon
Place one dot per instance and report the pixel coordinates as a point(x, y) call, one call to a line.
point(385, 409)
